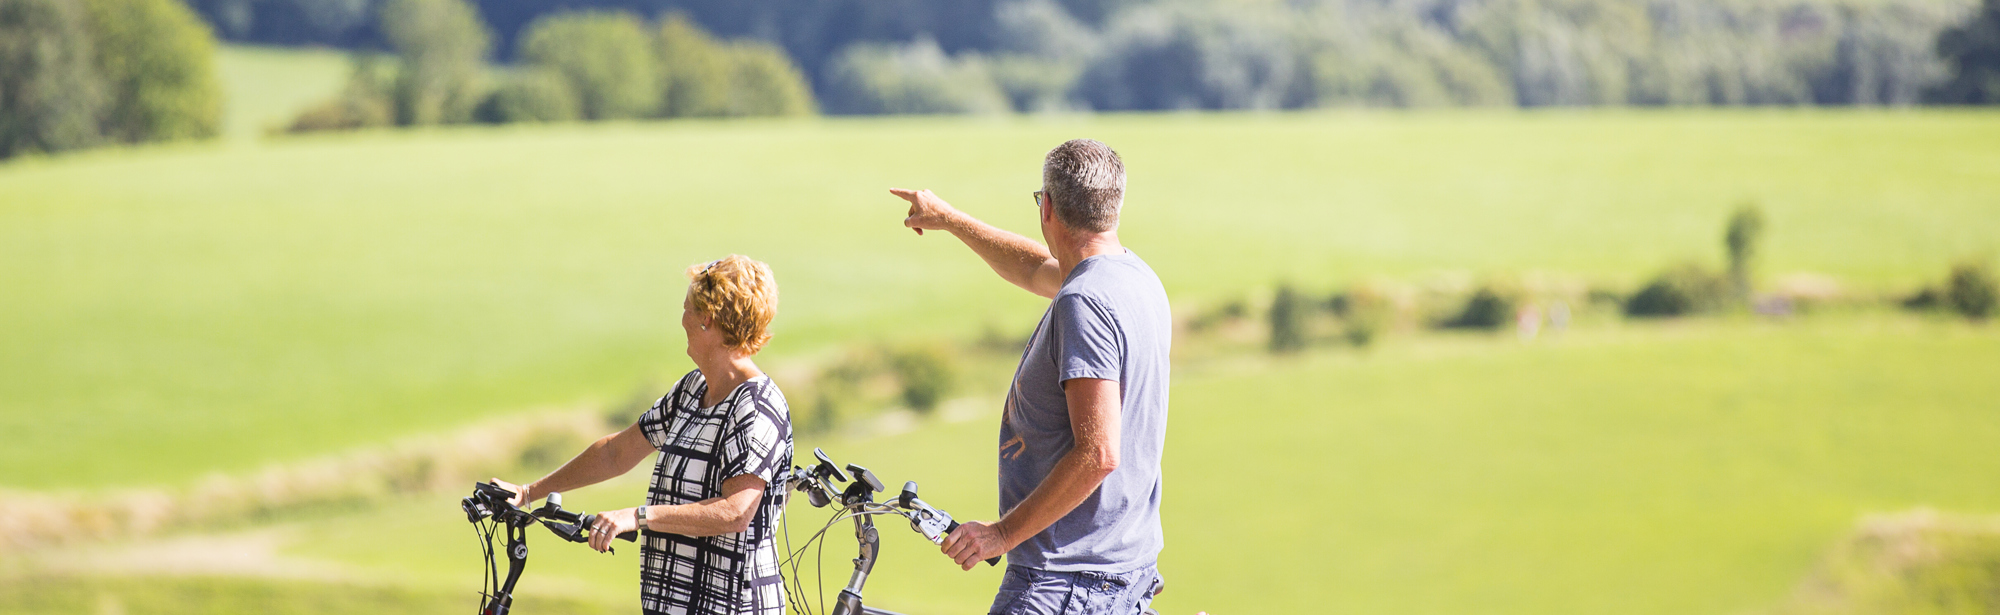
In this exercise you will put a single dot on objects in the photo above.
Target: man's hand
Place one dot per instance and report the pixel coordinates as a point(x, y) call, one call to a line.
point(927, 211)
point(973, 542)
point(610, 524)
point(520, 492)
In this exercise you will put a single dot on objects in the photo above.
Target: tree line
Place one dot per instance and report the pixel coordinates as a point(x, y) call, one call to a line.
point(80, 72)
point(919, 56)
point(588, 65)
point(76, 73)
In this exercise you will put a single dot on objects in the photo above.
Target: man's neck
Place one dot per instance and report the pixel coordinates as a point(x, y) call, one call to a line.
point(1085, 245)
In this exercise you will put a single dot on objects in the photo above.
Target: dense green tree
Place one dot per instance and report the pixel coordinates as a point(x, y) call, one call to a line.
point(51, 95)
point(1972, 50)
point(442, 46)
point(915, 78)
point(704, 77)
point(694, 70)
point(764, 81)
point(606, 57)
point(158, 60)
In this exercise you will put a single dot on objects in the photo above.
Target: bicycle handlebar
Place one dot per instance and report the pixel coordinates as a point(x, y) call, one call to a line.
point(819, 485)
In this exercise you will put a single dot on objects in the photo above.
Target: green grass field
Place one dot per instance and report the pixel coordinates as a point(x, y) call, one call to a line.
point(211, 308)
point(1650, 469)
point(175, 311)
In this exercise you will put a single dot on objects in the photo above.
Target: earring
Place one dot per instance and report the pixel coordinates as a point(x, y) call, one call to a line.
point(704, 327)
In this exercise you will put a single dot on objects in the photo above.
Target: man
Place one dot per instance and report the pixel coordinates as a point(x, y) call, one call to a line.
point(1086, 417)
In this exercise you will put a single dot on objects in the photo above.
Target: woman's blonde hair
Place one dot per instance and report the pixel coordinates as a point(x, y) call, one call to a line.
point(740, 298)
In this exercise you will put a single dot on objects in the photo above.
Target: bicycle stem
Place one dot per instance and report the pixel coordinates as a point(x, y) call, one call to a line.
point(849, 602)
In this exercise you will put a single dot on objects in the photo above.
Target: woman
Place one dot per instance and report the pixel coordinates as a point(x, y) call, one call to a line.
point(724, 435)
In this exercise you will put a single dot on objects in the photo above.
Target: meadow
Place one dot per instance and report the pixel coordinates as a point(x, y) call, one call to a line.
point(191, 309)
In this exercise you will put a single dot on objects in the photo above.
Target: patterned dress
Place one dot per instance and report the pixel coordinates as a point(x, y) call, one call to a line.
point(750, 432)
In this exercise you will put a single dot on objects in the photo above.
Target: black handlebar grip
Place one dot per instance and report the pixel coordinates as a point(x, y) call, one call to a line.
point(590, 520)
point(993, 561)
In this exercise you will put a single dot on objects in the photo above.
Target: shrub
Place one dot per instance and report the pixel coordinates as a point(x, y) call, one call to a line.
point(362, 103)
point(926, 374)
point(529, 96)
point(1972, 290)
point(606, 57)
point(1287, 321)
point(1487, 308)
point(50, 93)
point(157, 59)
point(442, 45)
point(1926, 298)
point(1746, 228)
point(913, 78)
point(1686, 289)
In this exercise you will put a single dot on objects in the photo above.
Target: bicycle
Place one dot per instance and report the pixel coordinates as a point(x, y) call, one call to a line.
point(857, 502)
point(490, 507)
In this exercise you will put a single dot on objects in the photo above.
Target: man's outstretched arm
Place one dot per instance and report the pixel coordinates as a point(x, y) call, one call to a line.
point(1019, 260)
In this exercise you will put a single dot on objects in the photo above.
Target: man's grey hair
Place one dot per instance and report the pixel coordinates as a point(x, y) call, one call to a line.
point(1085, 182)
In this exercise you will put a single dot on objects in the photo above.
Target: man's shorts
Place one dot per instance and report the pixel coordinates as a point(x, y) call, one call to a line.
point(1029, 591)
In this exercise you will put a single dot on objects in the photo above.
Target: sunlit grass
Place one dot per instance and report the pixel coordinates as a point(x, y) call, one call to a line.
point(1668, 468)
point(214, 309)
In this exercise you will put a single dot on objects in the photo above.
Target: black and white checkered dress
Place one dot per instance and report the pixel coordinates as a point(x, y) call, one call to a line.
point(750, 432)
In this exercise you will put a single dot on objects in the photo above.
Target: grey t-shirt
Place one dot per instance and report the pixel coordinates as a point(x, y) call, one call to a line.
point(1109, 321)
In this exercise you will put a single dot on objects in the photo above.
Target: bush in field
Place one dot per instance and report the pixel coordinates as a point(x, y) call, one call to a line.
point(50, 94)
point(703, 77)
point(1746, 228)
point(913, 78)
point(1686, 289)
point(1972, 291)
point(926, 373)
point(529, 96)
point(1487, 308)
point(1287, 317)
point(363, 103)
point(157, 60)
point(442, 46)
point(605, 56)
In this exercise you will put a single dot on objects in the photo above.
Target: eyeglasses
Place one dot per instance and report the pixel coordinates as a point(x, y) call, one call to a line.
point(1038, 197)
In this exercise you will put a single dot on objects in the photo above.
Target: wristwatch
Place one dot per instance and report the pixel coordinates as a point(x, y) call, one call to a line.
point(642, 517)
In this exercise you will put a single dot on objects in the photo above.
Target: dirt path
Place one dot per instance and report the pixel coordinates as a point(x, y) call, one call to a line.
point(254, 553)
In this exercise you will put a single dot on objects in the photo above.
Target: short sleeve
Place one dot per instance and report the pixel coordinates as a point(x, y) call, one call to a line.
point(1088, 343)
point(653, 423)
point(759, 438)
